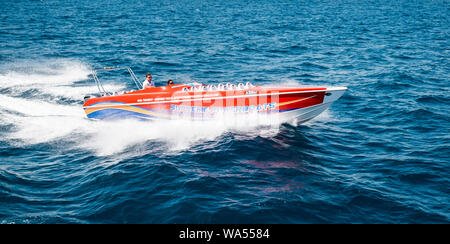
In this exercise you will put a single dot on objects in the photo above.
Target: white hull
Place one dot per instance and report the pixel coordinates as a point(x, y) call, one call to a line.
point(305, 114)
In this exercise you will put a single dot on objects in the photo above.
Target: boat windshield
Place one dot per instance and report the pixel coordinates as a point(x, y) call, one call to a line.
point(100, 86)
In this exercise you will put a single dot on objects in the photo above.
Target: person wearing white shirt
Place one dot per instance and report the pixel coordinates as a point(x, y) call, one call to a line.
point(148, 82)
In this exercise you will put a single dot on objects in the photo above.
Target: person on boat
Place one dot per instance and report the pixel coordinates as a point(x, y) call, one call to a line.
point(148, 82)
point(170, 82)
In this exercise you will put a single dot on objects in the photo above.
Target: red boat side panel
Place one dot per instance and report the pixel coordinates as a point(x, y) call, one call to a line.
point(173, 102)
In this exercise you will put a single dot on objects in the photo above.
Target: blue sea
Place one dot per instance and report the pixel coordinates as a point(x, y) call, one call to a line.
point(380, 154)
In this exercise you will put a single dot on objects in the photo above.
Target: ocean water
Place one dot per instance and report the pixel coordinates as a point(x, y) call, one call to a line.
point(380, 154)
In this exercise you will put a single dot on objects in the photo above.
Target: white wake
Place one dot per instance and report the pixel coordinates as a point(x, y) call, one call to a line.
point(39, 119)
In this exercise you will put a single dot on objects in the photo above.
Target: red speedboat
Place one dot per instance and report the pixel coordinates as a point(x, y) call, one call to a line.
point(195, 101)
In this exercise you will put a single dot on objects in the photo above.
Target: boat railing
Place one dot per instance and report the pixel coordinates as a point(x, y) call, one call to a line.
point(219, 87)
point(100, 87)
